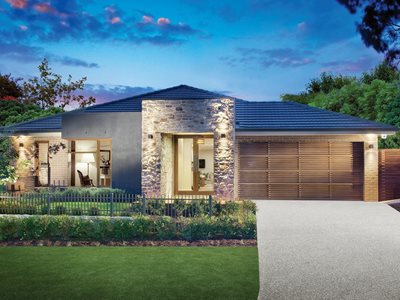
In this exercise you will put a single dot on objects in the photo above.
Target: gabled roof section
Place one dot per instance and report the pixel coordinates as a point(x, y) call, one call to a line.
point(134, 104)
point(182, 92)
point(46, 124)
point(291, 116)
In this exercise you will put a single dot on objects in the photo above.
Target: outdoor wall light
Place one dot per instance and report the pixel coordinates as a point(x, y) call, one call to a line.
point(150, 136)
point(384, 136)
point(223, 135)
point(21, 145)
point(371, 146)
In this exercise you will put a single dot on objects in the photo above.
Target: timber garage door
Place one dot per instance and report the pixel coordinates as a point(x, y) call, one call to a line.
point(301, 170)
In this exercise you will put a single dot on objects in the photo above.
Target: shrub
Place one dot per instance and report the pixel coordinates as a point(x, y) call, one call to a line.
point(93, 211)
point(155, 207)
point(30, 210)
point(44, 210)
point(139, 228)
point(165, 228)
point(60, 210)
point(76, 211)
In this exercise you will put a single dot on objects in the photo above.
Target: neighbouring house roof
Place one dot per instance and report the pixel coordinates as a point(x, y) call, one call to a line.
point(47, 124)
point(250, 115)
point(292, 116)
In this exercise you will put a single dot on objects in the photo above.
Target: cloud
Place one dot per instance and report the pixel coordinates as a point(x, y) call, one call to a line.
point(70, 61)
point(280, 57)
point(24, 53)
point(359, 65)
point(105, 93)
point(67, 20)
point(45, 8)
point(19, 4)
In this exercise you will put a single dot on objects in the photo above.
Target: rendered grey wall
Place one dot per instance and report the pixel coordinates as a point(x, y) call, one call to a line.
point(124, 129)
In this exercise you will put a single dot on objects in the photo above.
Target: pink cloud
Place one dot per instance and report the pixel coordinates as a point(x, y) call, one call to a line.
point(115, 20)
point(163, 21)
point(302, 26)
point(147, 19)
point(44, 8)
point(23, 27)
point(110, 10)
point(21, 4)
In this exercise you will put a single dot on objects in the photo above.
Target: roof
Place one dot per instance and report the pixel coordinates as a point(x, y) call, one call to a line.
point(250, 115)
point(292, 116)
point(46, 124)
point(134, 104)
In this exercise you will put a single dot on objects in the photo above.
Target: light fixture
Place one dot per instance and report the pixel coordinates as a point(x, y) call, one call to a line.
point(150, 136)
point(223, 135)
point(21, 145)
point(88, 158)
point(371, 146)
point(384, 136)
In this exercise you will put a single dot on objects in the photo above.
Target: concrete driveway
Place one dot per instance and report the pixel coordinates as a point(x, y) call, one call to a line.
point(328, 250)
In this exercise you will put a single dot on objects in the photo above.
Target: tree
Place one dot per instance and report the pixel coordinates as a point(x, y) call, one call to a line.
point(49, 90)
point(12, 112)
point(374, 96)
point(9, 87)
point(8, 158)
point(383, 71)
point(324, 84)
point(380, 26)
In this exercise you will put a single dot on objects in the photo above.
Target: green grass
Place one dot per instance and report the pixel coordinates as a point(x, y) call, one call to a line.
point(128, 273)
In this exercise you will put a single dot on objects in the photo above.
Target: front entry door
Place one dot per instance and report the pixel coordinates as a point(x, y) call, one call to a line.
point(194, 164)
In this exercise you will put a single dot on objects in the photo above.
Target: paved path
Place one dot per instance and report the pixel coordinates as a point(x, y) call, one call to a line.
point(328, 250)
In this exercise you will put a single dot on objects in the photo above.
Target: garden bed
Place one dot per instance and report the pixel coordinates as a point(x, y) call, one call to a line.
point(139, 228)
point(169, 243)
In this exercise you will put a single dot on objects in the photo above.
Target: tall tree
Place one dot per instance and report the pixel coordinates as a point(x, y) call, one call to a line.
point(49, 90)
point(9, 87)
point(380, 25)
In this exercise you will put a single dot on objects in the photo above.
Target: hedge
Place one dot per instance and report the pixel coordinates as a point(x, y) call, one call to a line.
point(126, 229)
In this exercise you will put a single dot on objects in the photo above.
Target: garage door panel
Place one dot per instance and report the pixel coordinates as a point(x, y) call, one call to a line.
point(283, 191)
point(253, 177)
point(344, 162)
point(253, 163)
point(283, 148)
point(253, 191)
point(347, 192)
point(277, 162)
point(320, 148)
point(314, 176)
point(314, 162)
point(315, 191)
point(341, 148)
point(354, 177)
point(283, 177)
point(254, 149)
point(302, 170)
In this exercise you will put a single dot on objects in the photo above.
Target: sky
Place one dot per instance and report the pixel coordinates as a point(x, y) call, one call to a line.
point(250, 49)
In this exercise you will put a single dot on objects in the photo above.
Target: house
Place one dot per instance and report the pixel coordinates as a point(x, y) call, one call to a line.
point(185, 140)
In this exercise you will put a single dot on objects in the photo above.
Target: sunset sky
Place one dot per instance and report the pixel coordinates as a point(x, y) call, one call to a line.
point(255, 49)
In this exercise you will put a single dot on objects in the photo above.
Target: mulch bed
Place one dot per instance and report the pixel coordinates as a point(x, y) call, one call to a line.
point(203, 243)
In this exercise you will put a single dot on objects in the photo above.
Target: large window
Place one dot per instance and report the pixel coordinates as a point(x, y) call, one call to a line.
point(91, 163)
point(194, 165)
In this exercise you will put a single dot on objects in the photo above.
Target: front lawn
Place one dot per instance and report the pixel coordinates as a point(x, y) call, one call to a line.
point(128, 273)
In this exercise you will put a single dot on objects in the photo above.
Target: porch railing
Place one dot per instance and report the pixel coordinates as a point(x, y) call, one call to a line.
point(109, 204)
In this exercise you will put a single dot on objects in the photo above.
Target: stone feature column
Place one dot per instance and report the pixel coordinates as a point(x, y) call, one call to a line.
point(164, 118)
point(223, 124)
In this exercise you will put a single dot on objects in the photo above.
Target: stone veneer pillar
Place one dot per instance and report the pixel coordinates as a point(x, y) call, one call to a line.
point(161, 118)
